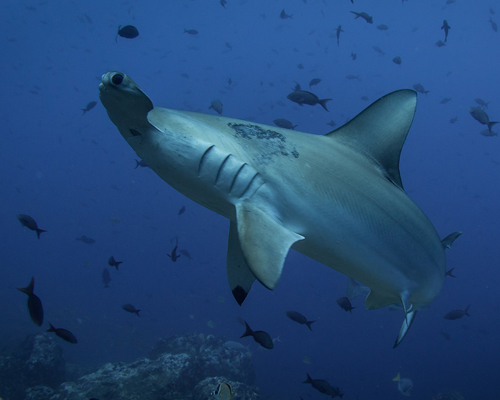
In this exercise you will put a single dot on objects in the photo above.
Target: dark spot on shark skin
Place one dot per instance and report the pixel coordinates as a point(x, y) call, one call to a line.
point(275, 139)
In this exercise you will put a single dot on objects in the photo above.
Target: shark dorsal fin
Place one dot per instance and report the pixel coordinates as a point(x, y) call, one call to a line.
point(380, 130)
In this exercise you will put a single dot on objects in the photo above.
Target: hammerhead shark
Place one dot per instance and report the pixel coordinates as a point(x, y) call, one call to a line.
point(337, 198)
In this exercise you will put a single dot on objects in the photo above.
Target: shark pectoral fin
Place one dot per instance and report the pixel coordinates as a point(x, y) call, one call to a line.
point(409, 317)
point(448, 240)
point(239, 275)
point(264, 241)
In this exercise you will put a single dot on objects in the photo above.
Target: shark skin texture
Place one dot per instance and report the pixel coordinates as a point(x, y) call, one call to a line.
point(336, 198)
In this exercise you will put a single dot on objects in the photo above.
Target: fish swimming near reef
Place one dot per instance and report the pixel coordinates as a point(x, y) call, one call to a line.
point(298, 317)
point(261, 337)
point(131, 309)
point(63, 334)
point(302, 97)
point(284, 189)
point(457, 314)
point(34, 303)
point(345, 304)
point(224, 391)
point(30, 223)
point(405, 385)
point(324, 387)
point(113, 263)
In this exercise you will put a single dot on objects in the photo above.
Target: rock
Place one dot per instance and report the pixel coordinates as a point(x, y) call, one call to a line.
point(39, 393)
point(204, 388)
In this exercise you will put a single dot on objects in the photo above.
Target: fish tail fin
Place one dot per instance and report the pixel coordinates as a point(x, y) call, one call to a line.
point(466, 311)
point(356, 14)
point(308, 380)
point(491, 123)
point(28, 289)
point(137, 163)
point(137, 312)
point(84, 110)
point(248, 331)
point(51, 329)
point(450, 273)
point(38, 231)
point(323, 103)
point(309, 323)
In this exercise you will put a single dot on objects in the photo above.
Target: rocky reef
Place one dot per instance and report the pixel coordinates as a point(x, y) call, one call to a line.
point(180, 367)
point(448, 396)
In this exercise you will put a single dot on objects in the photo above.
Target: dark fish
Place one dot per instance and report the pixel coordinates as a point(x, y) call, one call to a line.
point(30, 223)
point(397, 60)
point(345, 304)
point(174, 256)
point(479, 115)
point(140, 163)
point(324, 387)
point(284, 123)
point(494, 25)
point(339, 29)
point(303, 97)
point(34, 303)
point(446, 28)
point(298, 317)
point(450, 273)
point(89, 107)
point(419, 88)
point(260, 337)
point(216, 105)
point(453, 120)
point(181, 210)
point(106, 277)
point(332, 123)
point(445, 100)
point(85, 239)
point(353, 56)
point(363, 15)
point(379, 50)
point(127, 32)
point(382, 27)
point(131, 309)
point(223, 3)
point(352, 77)
point(284, 15)
point(314, 82)
point(113, 263)
point(191, 31)
point(63, 334)
point(481, 102)
point(184, 75)
point(457, 314)
point(445, 335)
point(440, 43)
point(300, 66)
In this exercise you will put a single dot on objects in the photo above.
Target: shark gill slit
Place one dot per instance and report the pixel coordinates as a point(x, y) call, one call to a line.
point(201, 165)
point(220, 170)
point(250, 184)
point(235, 177)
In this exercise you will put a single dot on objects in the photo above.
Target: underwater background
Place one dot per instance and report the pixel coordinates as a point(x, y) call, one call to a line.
point(75, 175)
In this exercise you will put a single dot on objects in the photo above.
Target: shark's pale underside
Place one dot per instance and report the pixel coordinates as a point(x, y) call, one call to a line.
point(336, 198)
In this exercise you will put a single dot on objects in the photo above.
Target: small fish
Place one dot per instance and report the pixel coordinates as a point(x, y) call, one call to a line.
point(382, 27)
point(181, 210)
point(106, 277)
point(480, 116)
point(324, 387)
point(140, 163)
point(339, 29)
point(450, 273)
point(481, 102)
point(446, 28)
point(445, 100)
point(223, 392)
point(223, 3)
point(445, 335)
point(131, 309)
point(419, 88)
point(190, 31)
point(353, 77)
point(379, 50)
point(216, 105)
point(261, 337)
point(85, 239)
point(332, 123)
point(345, 304)
point(363, 15)
point(397, 60)
point(302, 97)
point(453, 120)
point(405, 385)
point(440, 43)
point(300, 66)
point(298, 317)
point(457, 314)
point(113, 263)
point(30, 223)
point(184, 75)
point(174, 256)
point(314, 82)
point(63, 334)
point(353, 56)
point(494, 25)
point(127, 32)
point(34, 303)
point(284, 15)
point(89, 107)
point(284, 123)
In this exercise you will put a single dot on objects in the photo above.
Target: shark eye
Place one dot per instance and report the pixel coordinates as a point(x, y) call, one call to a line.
point(117, 79)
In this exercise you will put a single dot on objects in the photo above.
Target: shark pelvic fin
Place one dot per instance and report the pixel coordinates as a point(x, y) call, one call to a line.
point(238, 272)
point(264, 242)
point(409, 317)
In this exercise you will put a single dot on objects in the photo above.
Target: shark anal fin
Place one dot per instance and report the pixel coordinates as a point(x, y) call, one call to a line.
point(238, 273)
point(409, 317)
point(264, 241)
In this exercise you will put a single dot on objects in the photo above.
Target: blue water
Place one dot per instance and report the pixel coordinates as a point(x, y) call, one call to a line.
point(75, 175)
